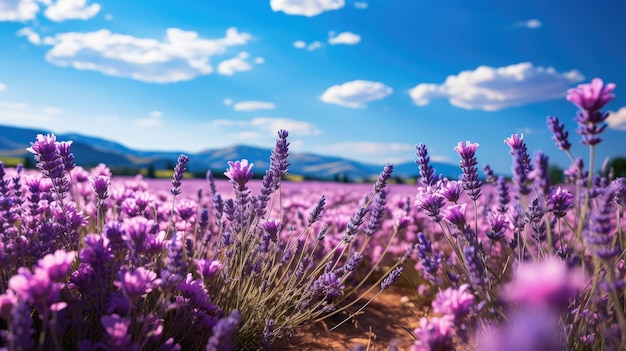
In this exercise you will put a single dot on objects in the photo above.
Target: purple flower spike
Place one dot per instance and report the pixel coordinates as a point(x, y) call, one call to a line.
point(137, 283)
point(117, 330)
point(559, 202)
point(456, 215)
point(592, 96)
point(100, 185)
point(427, 172)
point(239, 173)
point(468, 166)
point(559, 134)
point(207, 268)
point(179, 173)
point(223, 332)
point(272, 227)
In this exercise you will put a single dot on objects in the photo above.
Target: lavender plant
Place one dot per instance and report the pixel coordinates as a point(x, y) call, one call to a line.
point(91, 264)
point(538, 266)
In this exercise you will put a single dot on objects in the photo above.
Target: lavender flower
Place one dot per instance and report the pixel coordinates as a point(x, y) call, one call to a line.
point(451, 190)
point(502, 188)
point(559, 134)
point(272, 227)
point(221, 338)
point(239, 173)
point(497, 226)
point(376, 215)
point(428, 200)
point(381, 181)
point(137, 283)
point(434, 334)
point(491, 178)
point(391, 278)
point(590, 98)
point(521, 162)
point(179, 172)
point(278, 159)
point(468, 164)
point(327, 286)
point(57, 265)
point(559, 201)
point(100, 186)
point(427, 172)
point(454, 302)
point(456, 215)
point(66, 155)
point(316, 213)
point(117, 329)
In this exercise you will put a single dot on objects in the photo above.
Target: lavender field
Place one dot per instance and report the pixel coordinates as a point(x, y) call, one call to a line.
point(91, 261)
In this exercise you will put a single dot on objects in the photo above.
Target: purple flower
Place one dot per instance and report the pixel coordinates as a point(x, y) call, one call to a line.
point(546, 283)
point(559, 134)
point(382, 179)
point(451, 190)
point(137, 282)
point(328, 286)
point(221, 338)
point(278, 158)
point(117, 329)
point(316, 213)
point(207, 268)
point(434, 334)
point(559, 202)
point(8, 300)
point(272, 227)
point(66, 155)
point(37, 288)
point(497, 225)
point(455, 302)
point(100, 185)
point(375, 218)
point(428, 200)
point(391, 277)
point(468, 164)
point(427, 173)
point(239, 173)
point(179, 173)
point(57, 264)
point(592, 96)
point(521, 162)
point(456, 215)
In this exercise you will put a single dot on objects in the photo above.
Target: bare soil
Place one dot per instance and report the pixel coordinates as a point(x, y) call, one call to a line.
point(388, 320)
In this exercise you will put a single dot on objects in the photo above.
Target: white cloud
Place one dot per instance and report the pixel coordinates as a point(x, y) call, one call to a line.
point(360, 5)
point(30, 34)
point(108, 17)
point(52, 110)
point(228, 101)
point(263, 127)
point(180, 56)
point(347, 38)
point(373, 151)
point(3, 87)
point(617, 120)
point(295, 127)
point(532, 23)
point(63, 10)
point(253, 106)
point(356, 94)
point(235, 64)
point(259, 60)
point(301, 44)
point(18, 10)
point(154, 119)
point(22, 114)
point(494, 88)
point(307, 8)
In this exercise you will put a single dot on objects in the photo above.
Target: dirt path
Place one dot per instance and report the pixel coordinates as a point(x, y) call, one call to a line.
point(385, 321)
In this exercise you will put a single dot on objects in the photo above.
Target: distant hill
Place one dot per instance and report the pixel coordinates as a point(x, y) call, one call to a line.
point(89, 151)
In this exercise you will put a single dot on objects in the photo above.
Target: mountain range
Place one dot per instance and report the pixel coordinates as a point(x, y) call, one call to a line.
point(90, 151)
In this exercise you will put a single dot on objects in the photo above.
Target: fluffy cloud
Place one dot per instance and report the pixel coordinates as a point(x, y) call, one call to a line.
point(18, 10)
point(253, 106)
point(62, 10)
point(3, 87)
point(182, 55)
point(153, 120)
point(356, 94)
point(235, 64)
point(264, 126)
point(360, 5)
point(22, 114)
point(617, 120)
point(30, 34)
point(347, 38)
point(301, 44)
point(491, 89)
point(307, 8)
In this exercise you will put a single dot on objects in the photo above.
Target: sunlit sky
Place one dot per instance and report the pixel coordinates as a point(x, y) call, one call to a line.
point(365, 80)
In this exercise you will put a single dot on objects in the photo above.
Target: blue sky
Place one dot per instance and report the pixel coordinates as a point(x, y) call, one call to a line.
point(365, 80)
